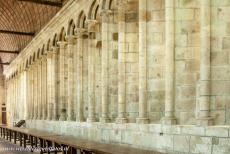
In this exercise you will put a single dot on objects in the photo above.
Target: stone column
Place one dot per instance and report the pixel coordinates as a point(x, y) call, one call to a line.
point(205, 72)
point(49, 86)
point(25, 93)
point(54, 82)
point(105, 65)
point(169, 117)
point(142, 118)
point(28, 93)
point(70, 54)
point(121, 62)
point(79, 75)
point(44, 87)
point(35, 98)
point(91, 69)
point(32, 92)
point(39, 85)
point(62, 94)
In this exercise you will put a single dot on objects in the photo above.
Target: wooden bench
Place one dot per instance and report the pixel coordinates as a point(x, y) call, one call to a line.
point(54, 143)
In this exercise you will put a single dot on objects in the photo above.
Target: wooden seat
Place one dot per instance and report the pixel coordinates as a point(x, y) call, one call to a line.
point(43, 139)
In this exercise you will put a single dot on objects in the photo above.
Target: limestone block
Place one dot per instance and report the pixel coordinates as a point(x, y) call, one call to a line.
point(184, 27)
point(221, 87)
point(132, 57)
point(194, 39)
point(187, 118)
point(155, 59)
point(171, 129)
point(218, 149)
point(131, 17)
point(132, 27)
point(219, 116)
point(181, 143)
point(158, 15)
point(156, 72)
point(200, 144)
point(189, 3)
point(185, 14)
point(181, 40)
point(220, 73)
point(154, 4)
point(156, 85)
point(153, 27)
point(221, 3)
point(186, 104)
point(193, 130)
point(155, 128)
point(216, 131)
point(223, 13)
point(219, 58)
point(187, 79)
point(156, 96)
point(155, 38)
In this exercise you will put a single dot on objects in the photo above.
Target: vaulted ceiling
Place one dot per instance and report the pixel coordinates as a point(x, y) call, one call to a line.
point(20, 21)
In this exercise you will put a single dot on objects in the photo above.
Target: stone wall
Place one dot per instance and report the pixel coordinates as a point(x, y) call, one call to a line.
point(125, 70)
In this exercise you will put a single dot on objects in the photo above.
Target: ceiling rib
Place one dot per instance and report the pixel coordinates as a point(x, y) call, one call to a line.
point(4, 63)
point(9, 52)
point(44, 2)
point(17, 33)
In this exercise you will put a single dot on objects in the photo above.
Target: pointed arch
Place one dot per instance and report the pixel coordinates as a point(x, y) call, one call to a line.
point(71, 27)
point(93, 10)
point(81, 21)
point(62, 34)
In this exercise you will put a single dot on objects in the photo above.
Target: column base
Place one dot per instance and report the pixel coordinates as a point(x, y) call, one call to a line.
point(49, 118)
point(206, 121)
point(142, 120)
point(104, 120)
point(91, 119)
point(169, 121)
point(44, 118)
point(62, 118)
point(121, 120)
point(70, 119)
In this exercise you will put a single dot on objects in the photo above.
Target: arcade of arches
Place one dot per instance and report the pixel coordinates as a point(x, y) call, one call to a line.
point(152, 74)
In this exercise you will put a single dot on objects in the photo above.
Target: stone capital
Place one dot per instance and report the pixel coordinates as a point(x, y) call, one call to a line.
point(62, 44)
point(92, 24)
point(106, 12)
point(71, 39)
point(81, 32)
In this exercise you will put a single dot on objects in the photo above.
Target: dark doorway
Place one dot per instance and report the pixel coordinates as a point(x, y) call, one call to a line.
point(4, 115)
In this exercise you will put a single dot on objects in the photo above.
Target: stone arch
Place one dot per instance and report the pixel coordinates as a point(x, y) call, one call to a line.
point(93, 10)
point(71, 27)
point(107, 4)
point(38, 54)
point(34, 57)
point(43, 50)
point(62, 35)
point(81, 20)
point(54, 40)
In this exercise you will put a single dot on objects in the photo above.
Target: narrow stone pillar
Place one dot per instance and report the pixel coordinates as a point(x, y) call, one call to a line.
point(71, 39)
point(49, 85)
point(169, 117)
point(142, 118)
point(44, 87)
point(28, 93)
point(205, 73)
point(35, 91)
point(105, 14)
point(31, 92)
point(25, 94)
point(79, 74)
point(39, 86)
point(54, 82)
point(121, 62)
point(62, 92)
point(91, 69)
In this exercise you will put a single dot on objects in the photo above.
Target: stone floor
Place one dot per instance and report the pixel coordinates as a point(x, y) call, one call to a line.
point(10, 148)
